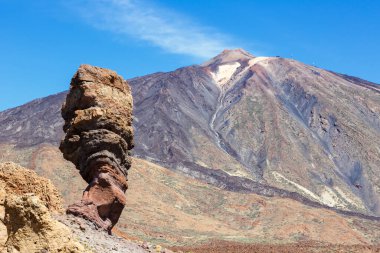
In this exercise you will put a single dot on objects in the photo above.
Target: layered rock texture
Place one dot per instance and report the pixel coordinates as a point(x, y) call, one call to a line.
point(27, 203)
point(99, 135)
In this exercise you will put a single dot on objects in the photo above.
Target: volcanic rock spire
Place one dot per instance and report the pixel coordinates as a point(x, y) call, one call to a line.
point(99, 135)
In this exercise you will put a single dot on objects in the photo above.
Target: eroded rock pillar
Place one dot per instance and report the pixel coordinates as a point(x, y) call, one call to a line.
point(99, 136)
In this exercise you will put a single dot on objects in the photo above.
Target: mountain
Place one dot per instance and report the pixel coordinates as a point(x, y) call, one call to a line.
point(262, 126)
point(276, 122)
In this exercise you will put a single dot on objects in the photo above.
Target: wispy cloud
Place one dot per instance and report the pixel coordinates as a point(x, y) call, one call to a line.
point(167, 29)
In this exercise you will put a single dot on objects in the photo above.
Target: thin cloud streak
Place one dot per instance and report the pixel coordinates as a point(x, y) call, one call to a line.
point(163, 28)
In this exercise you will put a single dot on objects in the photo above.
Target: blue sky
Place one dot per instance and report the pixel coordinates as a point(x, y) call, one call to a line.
point(43, 42)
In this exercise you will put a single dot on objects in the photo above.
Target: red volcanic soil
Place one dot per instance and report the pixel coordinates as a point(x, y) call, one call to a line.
point(305, 247)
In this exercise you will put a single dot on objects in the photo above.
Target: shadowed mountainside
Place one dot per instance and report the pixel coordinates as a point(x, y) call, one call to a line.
point(34, 123)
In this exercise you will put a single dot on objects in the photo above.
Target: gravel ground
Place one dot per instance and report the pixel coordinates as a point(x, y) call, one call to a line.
point(99, 241)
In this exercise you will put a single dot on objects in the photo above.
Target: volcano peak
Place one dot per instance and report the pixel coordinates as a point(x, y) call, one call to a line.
point(228, 56)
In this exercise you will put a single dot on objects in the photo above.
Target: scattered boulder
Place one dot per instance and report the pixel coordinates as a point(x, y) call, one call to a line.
point(99, 135)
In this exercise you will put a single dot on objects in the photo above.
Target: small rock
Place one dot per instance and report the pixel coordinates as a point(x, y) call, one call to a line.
point(82, 227)
point(145, 245)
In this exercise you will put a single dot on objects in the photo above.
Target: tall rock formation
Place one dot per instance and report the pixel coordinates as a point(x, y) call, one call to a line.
point(99, 135)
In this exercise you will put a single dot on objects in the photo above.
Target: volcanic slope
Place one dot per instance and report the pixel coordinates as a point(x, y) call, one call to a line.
point(275, 121)
point(168, 208)
point(265, 125)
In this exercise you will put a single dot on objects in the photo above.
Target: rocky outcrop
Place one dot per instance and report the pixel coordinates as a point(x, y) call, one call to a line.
point(31, 228)
point(27, 205)
point(99, 135)
point(19, 181)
